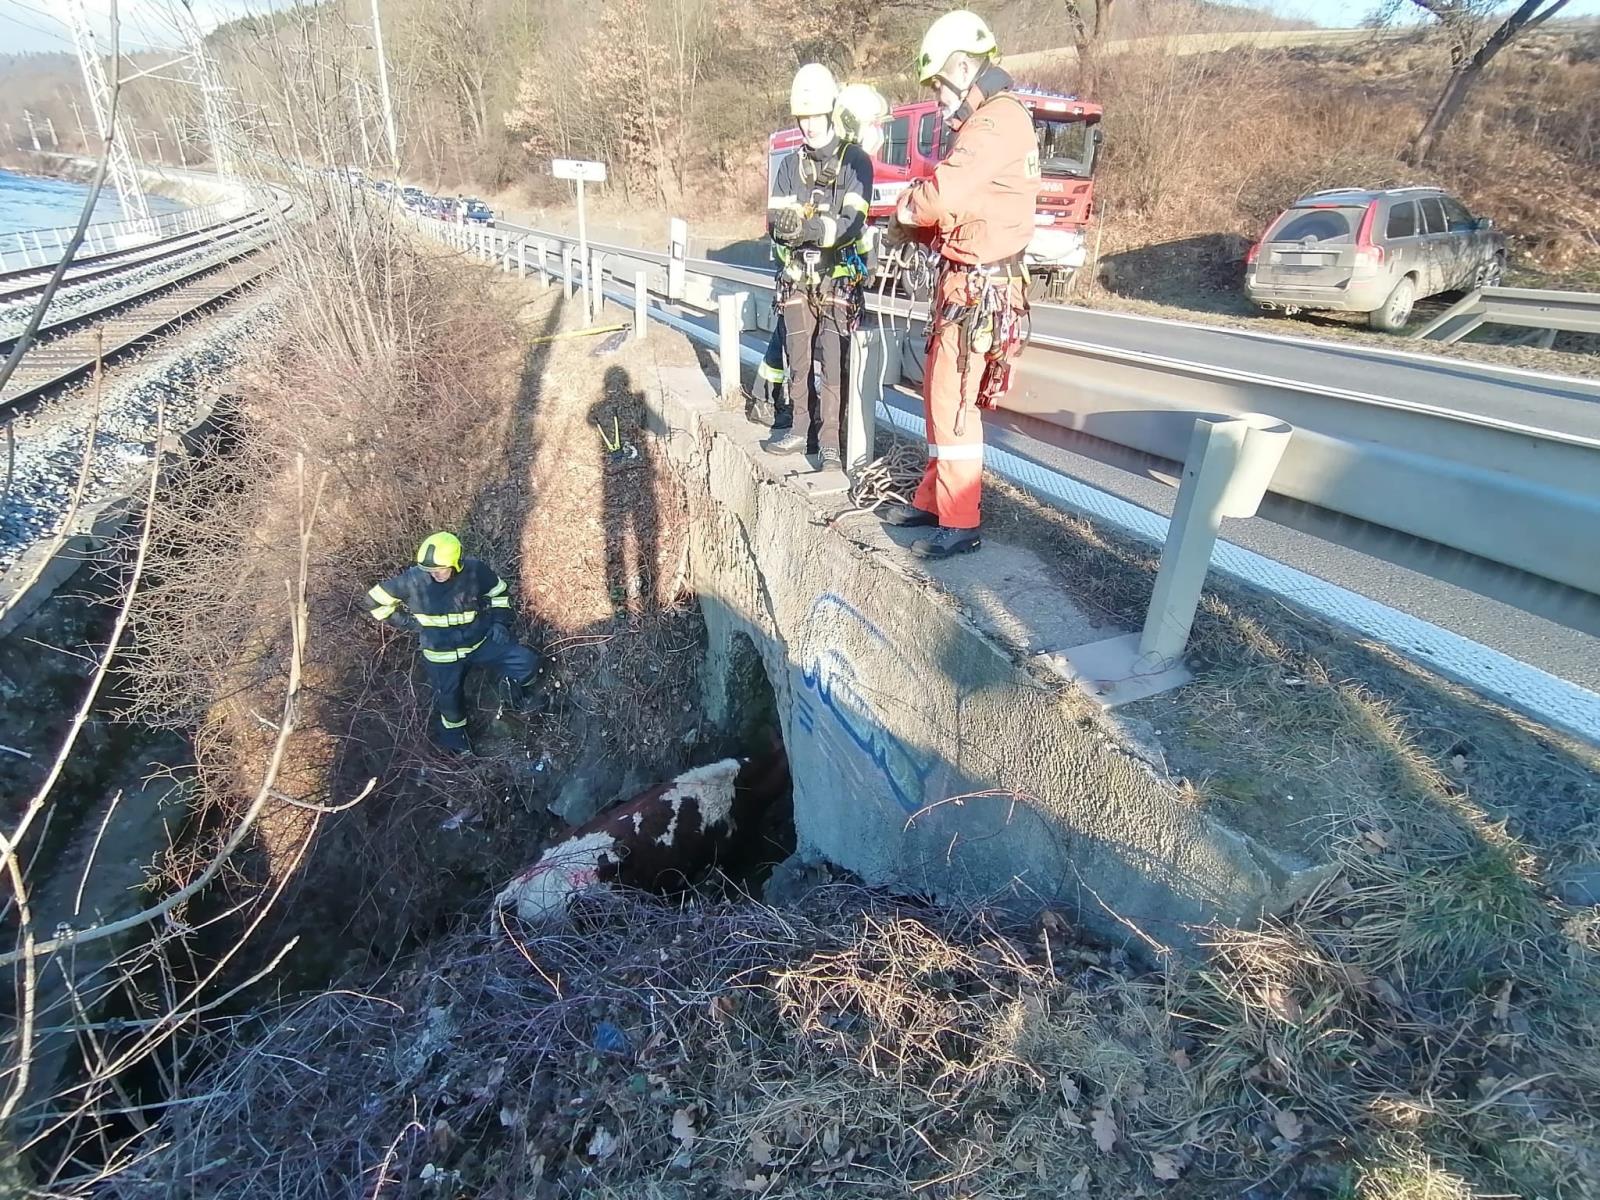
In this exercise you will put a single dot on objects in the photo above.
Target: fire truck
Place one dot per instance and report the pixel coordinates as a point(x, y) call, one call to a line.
point(1068, 129)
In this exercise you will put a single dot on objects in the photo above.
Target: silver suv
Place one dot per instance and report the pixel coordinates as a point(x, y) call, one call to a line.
point(1376, 252)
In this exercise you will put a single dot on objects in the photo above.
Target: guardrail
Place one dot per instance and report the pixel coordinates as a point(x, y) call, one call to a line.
point(1525, 308)
point(44, 247)
point(1518, 495)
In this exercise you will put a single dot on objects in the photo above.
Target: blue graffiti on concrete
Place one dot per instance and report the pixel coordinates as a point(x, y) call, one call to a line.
point(832, 677)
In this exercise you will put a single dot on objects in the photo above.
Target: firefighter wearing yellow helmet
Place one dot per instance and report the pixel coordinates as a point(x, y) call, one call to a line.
point(978, 211)
point(460, 610)
point(816, 216)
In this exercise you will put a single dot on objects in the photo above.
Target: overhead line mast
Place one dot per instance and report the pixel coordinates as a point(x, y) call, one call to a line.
point(120, 165)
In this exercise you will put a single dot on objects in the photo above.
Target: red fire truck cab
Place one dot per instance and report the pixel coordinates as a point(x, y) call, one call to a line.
point(1068, 129)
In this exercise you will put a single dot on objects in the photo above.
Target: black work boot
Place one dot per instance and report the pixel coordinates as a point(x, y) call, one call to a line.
point(945, 543)
point(770, 407)
point(905, 515)
point(525, 697)
point(453, 742)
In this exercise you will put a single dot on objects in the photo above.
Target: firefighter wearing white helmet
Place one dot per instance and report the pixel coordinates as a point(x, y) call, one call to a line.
point(816, 216)
point(977, 210)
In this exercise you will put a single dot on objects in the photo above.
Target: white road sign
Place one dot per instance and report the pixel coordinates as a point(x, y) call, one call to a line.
point(577, 168)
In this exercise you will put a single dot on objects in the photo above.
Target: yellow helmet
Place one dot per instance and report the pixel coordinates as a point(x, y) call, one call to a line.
point(859, 108)
point(955, 31)
point(440, 550)
point(813, 92)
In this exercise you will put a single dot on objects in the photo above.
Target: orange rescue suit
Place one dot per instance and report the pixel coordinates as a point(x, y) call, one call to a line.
point(979, 206)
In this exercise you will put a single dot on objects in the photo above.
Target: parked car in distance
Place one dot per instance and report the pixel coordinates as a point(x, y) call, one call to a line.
point(412, 197)
point(477, 210)
point(1377, 252)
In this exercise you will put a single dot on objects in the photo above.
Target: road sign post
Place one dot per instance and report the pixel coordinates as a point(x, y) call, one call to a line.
point(581, 171)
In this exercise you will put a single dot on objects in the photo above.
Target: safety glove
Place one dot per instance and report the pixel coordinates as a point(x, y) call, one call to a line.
point(499, 634)
point(786, 224)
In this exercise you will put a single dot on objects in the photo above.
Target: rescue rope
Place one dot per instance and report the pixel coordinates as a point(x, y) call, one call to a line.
point(893, 476)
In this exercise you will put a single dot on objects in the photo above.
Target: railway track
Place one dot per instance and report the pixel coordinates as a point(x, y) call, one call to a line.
point(123, 327)
point(29, 283)
point(67, 347)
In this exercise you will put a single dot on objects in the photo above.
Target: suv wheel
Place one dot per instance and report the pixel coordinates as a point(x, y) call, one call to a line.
point(1491, 273)
point(1396, 310)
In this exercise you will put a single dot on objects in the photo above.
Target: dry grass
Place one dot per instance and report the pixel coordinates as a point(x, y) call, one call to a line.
point(864, 1046)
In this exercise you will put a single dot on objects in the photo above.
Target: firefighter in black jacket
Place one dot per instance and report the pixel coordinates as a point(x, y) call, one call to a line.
point(461, 611)
point(817, 217)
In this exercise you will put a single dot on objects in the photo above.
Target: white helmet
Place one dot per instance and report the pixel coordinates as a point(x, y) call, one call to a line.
point(813, 92)
point(955, 31)
point(856, 115)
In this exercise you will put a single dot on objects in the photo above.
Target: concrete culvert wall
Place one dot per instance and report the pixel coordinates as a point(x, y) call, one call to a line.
point(923, 756)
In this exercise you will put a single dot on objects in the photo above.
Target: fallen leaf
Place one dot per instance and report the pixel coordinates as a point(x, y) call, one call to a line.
point(442, 1137)
point(1458, 761)
point(683, 1127)
point(1164, 1165)
point(604, 1143)
point(1375, 842)
point(1069, 1090)
point(760, 1150)
point(510, 1117)
point(722, 1008)
point(1281, 1003)
point(1103, 1129)
point(1502, 1004)
point(830, 1140)
point(757, 1183)
point(1080, 1181)
point(1180, 1058)
point(1289, 1126)
point(1069, 1118)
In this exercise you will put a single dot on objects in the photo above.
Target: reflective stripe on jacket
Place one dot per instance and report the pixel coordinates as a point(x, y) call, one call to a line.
point(981, 200)
point(451, 618)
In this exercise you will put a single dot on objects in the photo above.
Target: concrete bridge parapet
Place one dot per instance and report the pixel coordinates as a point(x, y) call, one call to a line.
point(925, 755)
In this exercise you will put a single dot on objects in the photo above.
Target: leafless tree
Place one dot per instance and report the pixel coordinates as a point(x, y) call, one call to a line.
point(1089, 20)
point(1477, 31)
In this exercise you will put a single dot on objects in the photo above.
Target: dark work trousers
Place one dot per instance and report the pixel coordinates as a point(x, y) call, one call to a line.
point(509, 660)
point(821, 336)
point(771, 373)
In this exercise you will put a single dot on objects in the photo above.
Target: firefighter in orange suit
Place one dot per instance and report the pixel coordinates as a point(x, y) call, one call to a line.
point(978, 210)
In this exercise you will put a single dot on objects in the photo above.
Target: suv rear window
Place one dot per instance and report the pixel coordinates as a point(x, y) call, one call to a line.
point(1317, 224)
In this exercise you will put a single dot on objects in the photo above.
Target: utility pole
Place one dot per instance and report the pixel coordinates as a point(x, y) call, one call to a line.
point(206, 79)
point(50, 124)
point(124, 175)
point(383, 89)
point(33, 134)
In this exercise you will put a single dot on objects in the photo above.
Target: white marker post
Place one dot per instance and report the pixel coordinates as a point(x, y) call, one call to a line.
point(581, 171)
point(730, 323)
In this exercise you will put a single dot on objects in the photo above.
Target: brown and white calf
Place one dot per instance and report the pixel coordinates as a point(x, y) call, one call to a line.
point(668, 833)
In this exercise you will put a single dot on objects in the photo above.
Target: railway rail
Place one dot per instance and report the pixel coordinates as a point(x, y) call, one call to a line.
point(67, 348)
point(29, 282)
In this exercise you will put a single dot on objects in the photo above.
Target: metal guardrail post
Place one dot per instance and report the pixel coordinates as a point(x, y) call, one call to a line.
point(544, 265)
point(597, 295)
point(641, 304)
point(568, 282)
point(730, 323)
point(522, 258)
point(1225, 473)
point(677, 258)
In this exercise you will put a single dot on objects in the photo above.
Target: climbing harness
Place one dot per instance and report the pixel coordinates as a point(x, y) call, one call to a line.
point(991, 325)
